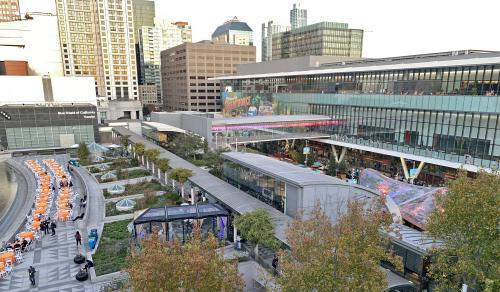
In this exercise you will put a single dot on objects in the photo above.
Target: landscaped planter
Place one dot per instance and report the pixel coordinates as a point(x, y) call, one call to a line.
point(79, 259)
point(82, 276)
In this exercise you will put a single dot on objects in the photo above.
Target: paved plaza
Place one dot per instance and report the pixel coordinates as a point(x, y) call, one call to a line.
point(52, 257)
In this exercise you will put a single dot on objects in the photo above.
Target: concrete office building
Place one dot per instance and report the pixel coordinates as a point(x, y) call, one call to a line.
point(441, 109)
point(119, 109)
point(298, 17)
point(97, 39)
point(153, 40)
point(34, 40)
point(234, 32)
point(187, 68)
point(9, 10)
point(46, 112)
point(320, 39)
point(267, 39)
point(148, 95)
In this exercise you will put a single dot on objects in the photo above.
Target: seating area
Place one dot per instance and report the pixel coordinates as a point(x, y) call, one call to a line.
point(53, 199)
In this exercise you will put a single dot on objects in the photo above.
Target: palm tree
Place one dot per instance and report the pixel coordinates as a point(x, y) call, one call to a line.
point(163, 165)
point(139, 150)
point(152, 155)
point(181, 175)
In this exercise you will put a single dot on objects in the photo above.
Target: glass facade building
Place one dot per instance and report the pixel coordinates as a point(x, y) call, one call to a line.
point(320, 39)
point(261, 186)
point(25, 127)
point(445, 106)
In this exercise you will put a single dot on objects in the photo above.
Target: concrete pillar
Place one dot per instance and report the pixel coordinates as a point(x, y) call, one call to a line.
point(235, 234)
point(419, 169)
point(192, 196)
point(342, 154)
point(405, 169)
point(334, 152)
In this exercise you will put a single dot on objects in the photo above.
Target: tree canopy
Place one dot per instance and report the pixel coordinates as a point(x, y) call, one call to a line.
point(181, 174)
point(187, 145)
point(83, 152)
point(467, 220)
point(194, 266)
point(124, 140)
point(163, 164)
point(257, 228)
point(341, 257)
point(139, 148)
point(152, 154)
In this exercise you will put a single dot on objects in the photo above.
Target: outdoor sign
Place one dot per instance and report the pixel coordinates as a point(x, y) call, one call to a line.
point(413, 172)
point(306, 151)
point(236, 104)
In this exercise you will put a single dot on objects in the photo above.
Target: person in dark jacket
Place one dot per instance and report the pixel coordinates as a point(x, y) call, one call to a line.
point(78, 238)
point(31, 272)
point(53, 227)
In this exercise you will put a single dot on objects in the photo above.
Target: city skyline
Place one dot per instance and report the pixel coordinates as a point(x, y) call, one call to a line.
point(400, 29)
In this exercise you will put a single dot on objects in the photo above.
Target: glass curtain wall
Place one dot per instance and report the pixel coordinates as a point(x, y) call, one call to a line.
point(265, 188)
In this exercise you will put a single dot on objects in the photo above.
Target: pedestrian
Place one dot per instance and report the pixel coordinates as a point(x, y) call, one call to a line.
point(42, 227)
point(53, 227)
point(31, 272)
point(78, 238)
point(275, 264)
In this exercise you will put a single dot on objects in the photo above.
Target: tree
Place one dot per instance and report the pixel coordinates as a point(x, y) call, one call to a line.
point(139, 149)
point(152, 155)
point(187, 145)
point(341, 257)
point(83, 152)
point(335, 168)
point(194, 266)
point(214, 161)
point(124, 140)
point(257, 228)
point(163, 165)
point(466, 220)
point(181, 175)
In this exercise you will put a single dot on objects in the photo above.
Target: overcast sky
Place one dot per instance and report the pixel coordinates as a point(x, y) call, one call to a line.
point(392, 27)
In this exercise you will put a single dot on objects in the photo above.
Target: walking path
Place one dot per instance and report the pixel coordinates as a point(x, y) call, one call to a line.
point(119, 218)
point(126, 181)
point(52, 257)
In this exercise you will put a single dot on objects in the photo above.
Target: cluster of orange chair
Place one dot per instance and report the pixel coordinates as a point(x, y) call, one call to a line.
point(43, 196)
point(64, 212)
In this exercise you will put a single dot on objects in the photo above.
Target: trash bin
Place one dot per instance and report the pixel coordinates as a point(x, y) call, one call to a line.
point(92, 242)
point(93, 233)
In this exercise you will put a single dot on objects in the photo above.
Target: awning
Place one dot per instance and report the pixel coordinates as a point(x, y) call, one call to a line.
point(172, 213)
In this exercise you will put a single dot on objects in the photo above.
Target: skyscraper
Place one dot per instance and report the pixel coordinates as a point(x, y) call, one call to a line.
point(144, 15)
point(234, 32)
point(97, 39)
point(152, 40)
point(298, 17)
point(323, 39)
point(267, 39)
point(9, 10)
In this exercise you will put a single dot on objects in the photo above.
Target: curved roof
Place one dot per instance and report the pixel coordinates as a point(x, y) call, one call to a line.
point(171, 213)
point(231, 25)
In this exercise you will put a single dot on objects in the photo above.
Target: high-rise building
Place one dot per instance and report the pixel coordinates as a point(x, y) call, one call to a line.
point(320, 39)
point(234, 32)
point(186, 71)
point(298, 17)
point(144, 14)
point(9, 10)
point(97, 39)
point(267, 39)
point(153, 40)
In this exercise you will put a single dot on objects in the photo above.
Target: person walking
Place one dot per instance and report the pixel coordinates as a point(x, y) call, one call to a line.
point(31, 272)
point(78, 238)
point(53, 227)
point(42, 227)
point(275, 264)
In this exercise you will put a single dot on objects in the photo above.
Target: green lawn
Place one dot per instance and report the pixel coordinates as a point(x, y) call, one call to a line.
point(144, 203)
point(112, 252)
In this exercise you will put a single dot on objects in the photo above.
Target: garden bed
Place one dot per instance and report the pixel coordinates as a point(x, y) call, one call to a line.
point(112, 252)
point(125, 174)
point(149, 201)
point(139, 188)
